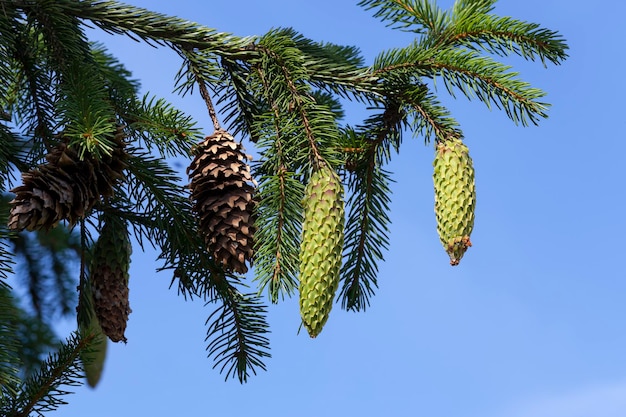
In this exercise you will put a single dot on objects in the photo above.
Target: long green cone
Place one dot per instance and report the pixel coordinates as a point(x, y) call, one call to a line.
point(321, 248)
point(455, 197)
point(94, 355)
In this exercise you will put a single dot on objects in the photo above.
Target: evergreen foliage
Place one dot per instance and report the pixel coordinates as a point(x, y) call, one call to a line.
point(283, 93)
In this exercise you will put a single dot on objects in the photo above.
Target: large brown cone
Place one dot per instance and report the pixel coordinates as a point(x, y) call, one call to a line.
point(66, 187)
point(222, 192)
point(109, 278)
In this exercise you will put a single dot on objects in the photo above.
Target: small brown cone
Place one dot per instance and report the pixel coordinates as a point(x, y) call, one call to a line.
point(66, 187)
point(109, 278)
point(222, 192)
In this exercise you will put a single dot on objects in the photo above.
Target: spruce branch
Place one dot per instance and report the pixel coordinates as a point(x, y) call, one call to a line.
point(366, 236)
point(197, 64)
point(42, 392)
point(336, 68)
point(289, 62)
point(87, 116)
point(36, 340)
point(156, 123)
point(9, 343)
point(282, 90)
point(200, 71)
point(290, 91)
point(6, 255)
point(65, 40)
point(430, 119)
point(504, 36)
point(273, 122)
point(490, 82)
point(473, 7)
point(328, 100)
point(154, 191)
point(474, 75)
point(470, 24)
point(8, 24)
point(279, 209)
point(239, 98)
point(121, 88)
point(278, 212)
point(34, 106)
point(367, 221)
point(10, 155)
point(47, 263)
point(418, 16)
point(143, 24)
point(237, 332)
point(278, 235)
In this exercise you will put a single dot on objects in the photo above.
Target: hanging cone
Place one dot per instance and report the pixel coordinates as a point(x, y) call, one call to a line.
point(109, 278)
point(94, 355)
point(66, 187)
point(455, 197)
point(222, 193)
point(321, 248)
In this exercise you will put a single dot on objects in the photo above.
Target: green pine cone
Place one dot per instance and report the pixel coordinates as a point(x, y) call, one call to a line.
point(109, 278)
point(455, 197)
point(321, 248)
point(94, 355)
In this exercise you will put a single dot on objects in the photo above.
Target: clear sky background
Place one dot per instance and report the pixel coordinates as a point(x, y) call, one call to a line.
point(531, 324)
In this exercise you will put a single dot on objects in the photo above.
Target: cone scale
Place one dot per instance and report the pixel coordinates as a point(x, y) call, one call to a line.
point(321, 248)
point(455, 197)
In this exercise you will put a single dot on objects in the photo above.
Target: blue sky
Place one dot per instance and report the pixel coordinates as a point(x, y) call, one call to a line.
point(531, 324)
